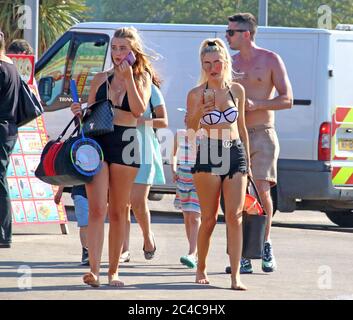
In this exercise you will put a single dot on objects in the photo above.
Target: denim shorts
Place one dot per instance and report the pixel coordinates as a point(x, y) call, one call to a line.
point(223, 158)
point(81, 210)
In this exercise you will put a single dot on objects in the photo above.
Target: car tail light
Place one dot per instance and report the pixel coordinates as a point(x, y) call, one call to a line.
point(324, 145)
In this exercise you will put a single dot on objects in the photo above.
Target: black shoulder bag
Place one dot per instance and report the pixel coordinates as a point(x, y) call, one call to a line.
point(99, 117)
point(254, 226)
point(28, 106)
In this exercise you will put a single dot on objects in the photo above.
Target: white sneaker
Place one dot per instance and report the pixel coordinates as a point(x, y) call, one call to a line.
point(125, 257)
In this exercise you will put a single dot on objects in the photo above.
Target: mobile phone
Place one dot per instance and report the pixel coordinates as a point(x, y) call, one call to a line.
point(209, 96)
point(130, 58)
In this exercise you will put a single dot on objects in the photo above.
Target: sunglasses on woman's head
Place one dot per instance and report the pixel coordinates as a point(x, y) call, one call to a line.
point(231, 32)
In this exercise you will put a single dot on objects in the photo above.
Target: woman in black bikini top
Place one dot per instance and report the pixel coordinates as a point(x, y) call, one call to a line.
point(102, 94)
point(129, 88)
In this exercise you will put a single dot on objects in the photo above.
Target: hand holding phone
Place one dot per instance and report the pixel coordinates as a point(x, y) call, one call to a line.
point(209, 97)
point(130, 58)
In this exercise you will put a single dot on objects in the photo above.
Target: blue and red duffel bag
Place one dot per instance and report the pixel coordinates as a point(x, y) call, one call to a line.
point(71, 162)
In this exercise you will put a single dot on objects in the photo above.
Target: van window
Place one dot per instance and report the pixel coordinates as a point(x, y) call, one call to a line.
point(78, 56)
point(55, 69)
point(89, 59)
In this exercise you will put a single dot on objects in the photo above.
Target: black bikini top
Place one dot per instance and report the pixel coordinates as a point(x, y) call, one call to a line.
point(102, 94)
point(229, 115)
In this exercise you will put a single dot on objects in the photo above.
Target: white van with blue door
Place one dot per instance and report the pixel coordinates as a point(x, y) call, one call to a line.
point(315, 167)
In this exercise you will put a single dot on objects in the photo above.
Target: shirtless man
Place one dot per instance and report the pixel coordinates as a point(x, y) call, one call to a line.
point(262, 73)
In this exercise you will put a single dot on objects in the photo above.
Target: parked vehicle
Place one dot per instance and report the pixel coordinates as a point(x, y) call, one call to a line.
point(315, 169)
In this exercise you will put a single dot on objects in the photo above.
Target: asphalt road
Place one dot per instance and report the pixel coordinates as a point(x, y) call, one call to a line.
point(315, 261)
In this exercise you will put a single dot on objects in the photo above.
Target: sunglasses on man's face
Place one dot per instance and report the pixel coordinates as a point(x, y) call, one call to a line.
point(231, 32)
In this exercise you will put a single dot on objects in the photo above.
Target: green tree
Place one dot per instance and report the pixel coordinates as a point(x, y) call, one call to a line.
point(304, 13)
point(165, 11)
point(9, 19)
point(286, 13)
point(55, 17)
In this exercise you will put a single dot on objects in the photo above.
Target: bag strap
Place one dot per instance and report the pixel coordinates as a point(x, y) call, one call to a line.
point(153, 114)
point(67, 127)
point(108, 86)
point(151, 107)
point(252, 183)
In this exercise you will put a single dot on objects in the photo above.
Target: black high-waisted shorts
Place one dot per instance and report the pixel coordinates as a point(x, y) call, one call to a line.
point(120, 146)
point(221, 157)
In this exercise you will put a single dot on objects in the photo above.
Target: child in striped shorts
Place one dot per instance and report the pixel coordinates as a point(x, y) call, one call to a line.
point(183, 159)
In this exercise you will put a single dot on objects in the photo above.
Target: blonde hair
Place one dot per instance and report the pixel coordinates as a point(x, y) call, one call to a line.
point(142, 63)
point(216, 45)
point(2, 42)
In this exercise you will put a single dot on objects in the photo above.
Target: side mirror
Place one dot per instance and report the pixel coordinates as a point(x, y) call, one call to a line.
point(45, 88)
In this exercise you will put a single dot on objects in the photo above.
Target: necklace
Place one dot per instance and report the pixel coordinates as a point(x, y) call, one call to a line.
point(119, 87)
point(119, 90)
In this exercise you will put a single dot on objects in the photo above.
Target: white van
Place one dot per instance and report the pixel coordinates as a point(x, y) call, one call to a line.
point(316, 136)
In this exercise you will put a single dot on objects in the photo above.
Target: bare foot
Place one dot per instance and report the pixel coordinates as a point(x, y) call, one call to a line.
point(201, 278)
point(114, 281)
point(238, 286)
point(91, 279)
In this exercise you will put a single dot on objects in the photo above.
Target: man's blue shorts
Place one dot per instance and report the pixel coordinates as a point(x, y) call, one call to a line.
point(81, 210)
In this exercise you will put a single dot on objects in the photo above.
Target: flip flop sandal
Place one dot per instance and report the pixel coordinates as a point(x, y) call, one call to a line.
point(149, 255)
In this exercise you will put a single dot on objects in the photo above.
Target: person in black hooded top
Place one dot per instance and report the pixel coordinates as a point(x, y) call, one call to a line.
point(9, 91)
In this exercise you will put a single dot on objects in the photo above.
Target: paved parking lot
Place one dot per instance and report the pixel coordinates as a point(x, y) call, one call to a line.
point(314, 262)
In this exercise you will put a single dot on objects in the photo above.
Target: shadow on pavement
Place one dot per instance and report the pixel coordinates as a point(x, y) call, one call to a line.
point(157, 216)
point(143, 286)
point(315, 227)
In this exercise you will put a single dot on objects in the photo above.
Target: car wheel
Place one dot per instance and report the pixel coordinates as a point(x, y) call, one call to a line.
point(341, 218)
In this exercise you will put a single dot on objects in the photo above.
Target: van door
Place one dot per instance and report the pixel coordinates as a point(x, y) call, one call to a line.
point(76, 56)
point(342, 113)
point(295, 126)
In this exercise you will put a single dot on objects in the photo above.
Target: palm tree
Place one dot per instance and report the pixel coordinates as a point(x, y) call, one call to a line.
point(9, 18)
point(55, 17)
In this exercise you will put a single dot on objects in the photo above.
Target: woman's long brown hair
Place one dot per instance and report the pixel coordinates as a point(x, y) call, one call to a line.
point(142, 64)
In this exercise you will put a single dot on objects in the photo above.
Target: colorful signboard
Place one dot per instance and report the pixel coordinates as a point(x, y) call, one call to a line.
point(32, 200)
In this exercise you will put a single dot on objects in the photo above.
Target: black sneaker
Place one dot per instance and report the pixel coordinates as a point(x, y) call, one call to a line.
point(245, 267)
point(268, 260)
point(5, 245)
point(84, 259)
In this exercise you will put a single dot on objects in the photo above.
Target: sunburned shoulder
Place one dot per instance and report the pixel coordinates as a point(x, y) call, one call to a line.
point(146, 79)
point(195, 91)
point(98, 79)
point(269, 55)
point(237, 88)
point(100, 76)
